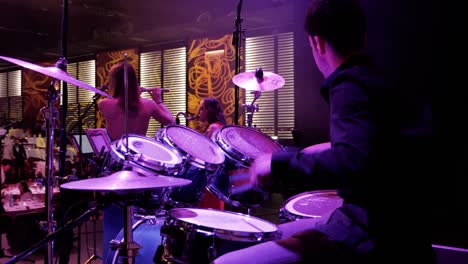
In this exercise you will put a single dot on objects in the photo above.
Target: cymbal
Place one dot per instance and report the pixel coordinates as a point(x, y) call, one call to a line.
point(250, 81)
point(125, 181)
point(55, 73)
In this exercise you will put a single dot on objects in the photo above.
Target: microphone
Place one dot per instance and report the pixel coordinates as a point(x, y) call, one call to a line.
point(104, 88)
point(163, 90)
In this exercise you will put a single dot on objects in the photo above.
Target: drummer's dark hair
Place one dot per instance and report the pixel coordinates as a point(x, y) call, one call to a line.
point(341, 22)
point(117, 85)
point(214, 110)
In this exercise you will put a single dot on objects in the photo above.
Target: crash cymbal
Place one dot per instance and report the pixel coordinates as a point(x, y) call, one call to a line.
point(259, 81)
point(55, 73)
point(125, 181)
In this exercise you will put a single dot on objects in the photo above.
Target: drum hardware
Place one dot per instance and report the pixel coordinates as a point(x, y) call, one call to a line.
point(257, 82)
point(187, 118)
point(203, 158)
point(252, 108)
point(194, 235)
point(313, 204)
point(50, 237)
point(241, 145)
point(236, 42)
point(95, 256)
point(50, 114)
point(56, 73)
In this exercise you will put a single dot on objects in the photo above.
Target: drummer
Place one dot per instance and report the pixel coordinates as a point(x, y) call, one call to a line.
point(211, 113)
point(140, 111)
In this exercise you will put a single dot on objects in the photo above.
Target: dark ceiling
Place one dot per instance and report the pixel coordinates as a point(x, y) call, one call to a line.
point(31, 30)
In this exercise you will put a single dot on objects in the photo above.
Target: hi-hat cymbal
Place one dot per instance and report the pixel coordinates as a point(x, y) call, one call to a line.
point(125, 181)
point(267, 81)
point(56, 73)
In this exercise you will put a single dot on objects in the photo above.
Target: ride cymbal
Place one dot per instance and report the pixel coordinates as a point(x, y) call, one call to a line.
point(55, 73)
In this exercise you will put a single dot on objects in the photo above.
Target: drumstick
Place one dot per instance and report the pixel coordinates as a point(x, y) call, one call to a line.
point(240, 182)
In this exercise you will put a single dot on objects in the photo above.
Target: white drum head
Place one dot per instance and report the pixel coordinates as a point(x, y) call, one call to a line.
point(313, 204)
point(222, 220)
point(196, 145)
point(149, 154)
point(243, 143)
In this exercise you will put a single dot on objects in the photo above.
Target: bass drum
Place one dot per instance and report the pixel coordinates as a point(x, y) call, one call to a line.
point(314, 204)
point(241, 145)
point(146, 233)
point(204, 161)
point(193, 235)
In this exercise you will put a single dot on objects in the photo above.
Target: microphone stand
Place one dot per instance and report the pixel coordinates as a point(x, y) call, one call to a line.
point(52, 235)
point(236, 41)
point(50, 113)
point(80, 118)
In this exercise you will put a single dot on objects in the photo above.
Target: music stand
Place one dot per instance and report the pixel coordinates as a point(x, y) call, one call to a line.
point(99, 139)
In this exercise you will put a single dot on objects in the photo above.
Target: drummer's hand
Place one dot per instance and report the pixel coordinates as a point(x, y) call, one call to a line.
point(260, 170)
point(317, 148)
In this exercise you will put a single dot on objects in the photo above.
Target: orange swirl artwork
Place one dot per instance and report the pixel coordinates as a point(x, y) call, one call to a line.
point(210, 69)
point(35, 87)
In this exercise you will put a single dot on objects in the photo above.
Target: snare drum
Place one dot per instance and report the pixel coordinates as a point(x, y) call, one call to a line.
point(148, 157)
point(241, 145)
point(193, 235)
point(203, 157)
point(314, 204)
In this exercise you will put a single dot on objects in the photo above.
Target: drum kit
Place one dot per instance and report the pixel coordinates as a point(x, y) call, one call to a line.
point(175, 167)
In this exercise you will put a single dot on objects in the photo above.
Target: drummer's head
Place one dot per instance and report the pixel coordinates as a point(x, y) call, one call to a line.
point(117, 83)
point(211, 111)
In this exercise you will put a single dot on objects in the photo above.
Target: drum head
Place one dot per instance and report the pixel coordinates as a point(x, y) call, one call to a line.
point(149, 154)
point(225, 225)
point(199, 149)
point(313, 204)
point(244, 144)
point(241, 145)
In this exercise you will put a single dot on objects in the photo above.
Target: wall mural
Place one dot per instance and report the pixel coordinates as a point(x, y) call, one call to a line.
point(210, 69)
point(104, 62)
point(35, 86)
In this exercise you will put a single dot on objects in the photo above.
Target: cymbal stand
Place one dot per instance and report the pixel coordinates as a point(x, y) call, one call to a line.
point(237, 43)
point(95, 216)
point(250, 109)
point(50, 114)
point(128, 248)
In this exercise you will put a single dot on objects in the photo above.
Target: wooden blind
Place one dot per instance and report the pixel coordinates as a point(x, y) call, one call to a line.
point(273, 53)
point(11, 101)
point(168, 69)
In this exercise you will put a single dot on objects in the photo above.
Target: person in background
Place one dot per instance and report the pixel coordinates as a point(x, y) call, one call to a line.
point(5, 169)
point(378, 155)
point(140, 111)
point(19, 154)
point(211, 112)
